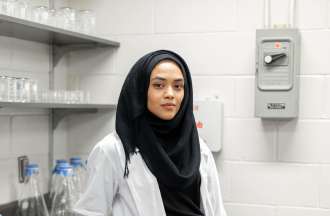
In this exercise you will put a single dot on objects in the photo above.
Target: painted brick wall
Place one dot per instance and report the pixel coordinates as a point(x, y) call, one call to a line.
point(266, 168)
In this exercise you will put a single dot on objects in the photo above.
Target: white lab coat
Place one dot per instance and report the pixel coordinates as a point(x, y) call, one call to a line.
point(108, 192)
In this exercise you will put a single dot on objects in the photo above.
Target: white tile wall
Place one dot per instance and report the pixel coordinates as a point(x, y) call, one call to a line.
point(250, 210)
point(279, 10)
point(194, 16)
point(273, 183)
point(313, 42)
point(84, 131)
point(5, 137)
point(326, 98)
point(305, 141)
point(30, 135)
point(102, 88)
point(244, 96)
point(325, 187)
point(23, 59)
point(222, 87)
point(284, 211)
point(5, 53)
point(312, 95)
point(312, 14)
point(250, 14)
point(89, 62)
point(249, 140)
point(7, 180)
point(226, 53)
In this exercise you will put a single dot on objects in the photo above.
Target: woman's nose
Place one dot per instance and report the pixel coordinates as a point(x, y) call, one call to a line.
point(169, 93)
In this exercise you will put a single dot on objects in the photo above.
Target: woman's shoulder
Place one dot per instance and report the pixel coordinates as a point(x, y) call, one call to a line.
point(206, 153)
point(205, 150)
point(112, 147)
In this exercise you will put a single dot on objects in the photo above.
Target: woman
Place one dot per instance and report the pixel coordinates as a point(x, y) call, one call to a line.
point(154, 164)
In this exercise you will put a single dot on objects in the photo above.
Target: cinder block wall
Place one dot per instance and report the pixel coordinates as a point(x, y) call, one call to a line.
point(267, 168)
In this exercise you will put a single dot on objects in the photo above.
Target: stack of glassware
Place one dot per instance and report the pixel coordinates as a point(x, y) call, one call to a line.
point(14, 89)
point(64, 17)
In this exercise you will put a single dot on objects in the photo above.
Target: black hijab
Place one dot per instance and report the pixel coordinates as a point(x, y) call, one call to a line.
point(170, 148)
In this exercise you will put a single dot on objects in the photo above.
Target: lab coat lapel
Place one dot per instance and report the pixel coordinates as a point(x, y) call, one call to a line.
point(144, 188)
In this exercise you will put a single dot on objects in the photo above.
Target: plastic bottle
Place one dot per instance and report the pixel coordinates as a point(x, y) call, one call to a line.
point(31, 200)
point(65, 195)
point(55, 179)
point(79, 174)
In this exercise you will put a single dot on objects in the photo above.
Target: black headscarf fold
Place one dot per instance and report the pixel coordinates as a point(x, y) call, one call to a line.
point(170, 148)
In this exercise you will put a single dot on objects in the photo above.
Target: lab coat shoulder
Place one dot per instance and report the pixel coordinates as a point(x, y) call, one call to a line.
point(104, 171)
point(210, 181)
point(112, 146)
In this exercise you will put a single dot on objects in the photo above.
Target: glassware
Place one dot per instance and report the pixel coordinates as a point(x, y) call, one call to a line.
point(67, 18)
point(25, 95)
point(3, 88)
point(22, 9)
point(11, 89)
point(34, 94)
point(52, 17)
point(9, 7)
point(86, 21)
point(31, 201)
point(2, 6)
point(40, 14)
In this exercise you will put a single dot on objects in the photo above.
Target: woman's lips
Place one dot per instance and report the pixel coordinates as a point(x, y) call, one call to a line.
point(168, 106)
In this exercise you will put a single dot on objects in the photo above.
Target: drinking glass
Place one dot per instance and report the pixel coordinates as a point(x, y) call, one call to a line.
point(9, 7)
point(22, 9)
point(3, 88)
point(66, 18)
point(86, 21)
point(40, 14)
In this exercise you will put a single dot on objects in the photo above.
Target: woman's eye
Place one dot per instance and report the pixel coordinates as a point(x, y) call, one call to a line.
point(158, 85)
point(178, 87)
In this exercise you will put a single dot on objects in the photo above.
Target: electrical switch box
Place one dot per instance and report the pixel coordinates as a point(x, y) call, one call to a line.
point(208, 115)
point(277, 69)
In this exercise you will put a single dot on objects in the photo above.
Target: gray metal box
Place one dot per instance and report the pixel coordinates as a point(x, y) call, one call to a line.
point(277, 69)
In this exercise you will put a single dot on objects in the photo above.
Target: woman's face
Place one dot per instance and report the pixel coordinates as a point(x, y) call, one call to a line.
point(166, 90)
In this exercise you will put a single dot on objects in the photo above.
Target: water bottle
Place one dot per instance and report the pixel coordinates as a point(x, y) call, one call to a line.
point(65, 195)
point(79, 174)
point(31, 201)
point(55, 179)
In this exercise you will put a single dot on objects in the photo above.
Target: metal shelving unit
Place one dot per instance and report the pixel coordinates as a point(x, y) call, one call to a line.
point(61, 42)
point(60, 110)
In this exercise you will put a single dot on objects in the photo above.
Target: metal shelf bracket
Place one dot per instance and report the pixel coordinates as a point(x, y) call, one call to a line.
point(60, 50)
point(60, 113)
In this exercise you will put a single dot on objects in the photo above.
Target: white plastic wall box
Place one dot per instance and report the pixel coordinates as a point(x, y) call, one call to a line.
point(209, 121)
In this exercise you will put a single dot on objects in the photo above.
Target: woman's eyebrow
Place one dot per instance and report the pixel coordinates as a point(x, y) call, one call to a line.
point(159, 78)
point(163, 79)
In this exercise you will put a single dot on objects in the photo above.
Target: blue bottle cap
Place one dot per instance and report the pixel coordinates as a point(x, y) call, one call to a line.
point(60, 161)
point(75, 161)
point(64, 169)
point(31, 169)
